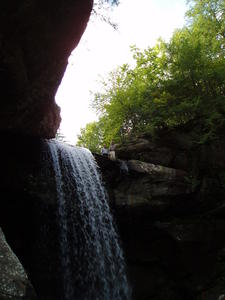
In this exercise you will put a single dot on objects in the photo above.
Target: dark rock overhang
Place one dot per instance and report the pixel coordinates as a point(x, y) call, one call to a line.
point(36, 39)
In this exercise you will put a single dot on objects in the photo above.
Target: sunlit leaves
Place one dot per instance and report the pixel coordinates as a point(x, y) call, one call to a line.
point(91, 136)
point(171, 83)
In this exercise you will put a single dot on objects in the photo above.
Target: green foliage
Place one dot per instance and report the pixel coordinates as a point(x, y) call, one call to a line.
point(101, 10)
point(171, 83)
point(90, 137)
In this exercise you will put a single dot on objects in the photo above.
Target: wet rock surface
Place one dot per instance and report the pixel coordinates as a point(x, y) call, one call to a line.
point(14, 283)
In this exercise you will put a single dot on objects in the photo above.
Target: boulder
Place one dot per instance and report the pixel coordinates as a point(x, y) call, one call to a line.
point(170, 149)
point(151, 185)
point(14, 283)
point(146, 188)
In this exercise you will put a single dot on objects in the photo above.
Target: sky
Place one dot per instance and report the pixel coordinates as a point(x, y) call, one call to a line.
point(102, 49)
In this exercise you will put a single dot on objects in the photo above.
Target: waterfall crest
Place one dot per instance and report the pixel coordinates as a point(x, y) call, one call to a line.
point(92, 259)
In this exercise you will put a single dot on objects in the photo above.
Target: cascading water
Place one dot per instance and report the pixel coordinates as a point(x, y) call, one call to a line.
point(92, 260)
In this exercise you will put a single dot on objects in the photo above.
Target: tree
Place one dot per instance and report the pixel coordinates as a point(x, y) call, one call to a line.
point(171, 83)
point(90, 137)
point(101, 9)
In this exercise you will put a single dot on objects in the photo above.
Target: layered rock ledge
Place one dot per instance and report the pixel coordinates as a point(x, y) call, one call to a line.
point(169, 206)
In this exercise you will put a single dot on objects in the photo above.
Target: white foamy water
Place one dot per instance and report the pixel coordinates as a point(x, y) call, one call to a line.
point(92, 259)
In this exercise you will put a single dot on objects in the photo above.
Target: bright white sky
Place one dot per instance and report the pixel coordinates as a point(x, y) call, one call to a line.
point(101, 49)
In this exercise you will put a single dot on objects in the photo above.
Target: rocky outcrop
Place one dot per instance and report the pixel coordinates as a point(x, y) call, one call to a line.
point(169, 150)
point(36, 39)
point(177, 148)
point(14, 283)
point(171, 223)
point(153, 186)
point(148, 188)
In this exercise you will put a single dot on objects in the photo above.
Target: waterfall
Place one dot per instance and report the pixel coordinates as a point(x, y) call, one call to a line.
point(92, 259)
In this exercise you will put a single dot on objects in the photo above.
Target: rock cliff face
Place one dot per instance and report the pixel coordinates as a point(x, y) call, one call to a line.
point(36, 39)
point(171, 220)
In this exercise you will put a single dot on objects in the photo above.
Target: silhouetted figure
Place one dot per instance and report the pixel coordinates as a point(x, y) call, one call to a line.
point(105, 151)
point(112, 152)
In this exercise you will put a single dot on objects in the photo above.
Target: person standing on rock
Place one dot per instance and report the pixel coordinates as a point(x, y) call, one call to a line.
point(112, 152)
point(105, 151)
